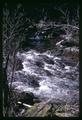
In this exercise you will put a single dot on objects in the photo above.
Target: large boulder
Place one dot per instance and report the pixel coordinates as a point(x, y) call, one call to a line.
point(27, 98)
point(22, 96)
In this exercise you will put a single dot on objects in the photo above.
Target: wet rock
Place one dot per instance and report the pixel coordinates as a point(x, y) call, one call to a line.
point(24, 97)
point(27, 97)
point(18, 65)
point(47, 59)
point(39, 64)
point(60, 63)
point(33, 81)
point(48, 73)
point(20, 76)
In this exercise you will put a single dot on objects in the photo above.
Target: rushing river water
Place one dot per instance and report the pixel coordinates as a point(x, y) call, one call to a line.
point(47, 76)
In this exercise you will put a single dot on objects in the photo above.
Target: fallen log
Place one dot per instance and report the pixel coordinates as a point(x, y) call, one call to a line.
point(24, 104)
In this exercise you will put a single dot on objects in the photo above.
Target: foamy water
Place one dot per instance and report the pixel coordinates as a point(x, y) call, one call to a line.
point(56, 79)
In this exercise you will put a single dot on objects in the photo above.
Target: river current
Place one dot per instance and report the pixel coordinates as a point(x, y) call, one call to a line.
point(47, 76)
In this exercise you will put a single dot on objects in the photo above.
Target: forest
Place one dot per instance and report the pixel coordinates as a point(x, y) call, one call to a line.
point(40, 46)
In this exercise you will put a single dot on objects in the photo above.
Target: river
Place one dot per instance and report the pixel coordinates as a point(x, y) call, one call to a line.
point(47, 76)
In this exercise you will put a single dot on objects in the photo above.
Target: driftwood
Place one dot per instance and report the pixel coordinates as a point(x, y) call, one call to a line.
point(43, 105)
point(24, 104)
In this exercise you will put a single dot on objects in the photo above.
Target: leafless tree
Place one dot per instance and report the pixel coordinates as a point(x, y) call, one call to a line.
point(14, 28)
point(69, 27)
